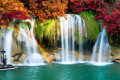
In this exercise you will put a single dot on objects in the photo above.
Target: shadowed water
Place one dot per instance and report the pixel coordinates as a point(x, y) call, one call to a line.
point(63, 72)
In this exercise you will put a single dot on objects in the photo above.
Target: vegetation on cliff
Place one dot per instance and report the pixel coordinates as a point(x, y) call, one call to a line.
point(93, 27)
point(48, 31)
point(106, 10)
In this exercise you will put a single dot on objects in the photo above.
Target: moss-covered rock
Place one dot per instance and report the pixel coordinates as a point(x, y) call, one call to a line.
point(82, 38)
point(92, 25)
point(48, 30)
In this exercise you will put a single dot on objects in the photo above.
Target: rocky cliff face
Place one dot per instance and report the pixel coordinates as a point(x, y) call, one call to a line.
point(115, 55)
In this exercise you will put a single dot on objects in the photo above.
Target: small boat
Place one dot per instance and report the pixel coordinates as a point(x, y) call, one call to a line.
point(4, 65)
point(7, 67)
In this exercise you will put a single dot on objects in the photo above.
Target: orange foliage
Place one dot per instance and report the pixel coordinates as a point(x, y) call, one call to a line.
point(7, 6)
point(44, 9)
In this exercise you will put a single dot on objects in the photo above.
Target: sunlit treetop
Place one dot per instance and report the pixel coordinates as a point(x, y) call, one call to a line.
point(44, 9)
point(11, 6)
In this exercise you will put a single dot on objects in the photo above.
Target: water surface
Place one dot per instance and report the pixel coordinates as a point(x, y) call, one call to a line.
point(63, 72)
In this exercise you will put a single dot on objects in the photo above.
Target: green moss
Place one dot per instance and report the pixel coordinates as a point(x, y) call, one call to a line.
point(22, 25)
point(92, 25)
point(83, 39)
point(48, 29)
point(28, 24)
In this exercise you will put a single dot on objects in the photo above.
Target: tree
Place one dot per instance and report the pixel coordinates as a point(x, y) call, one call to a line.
point(45, 9)
point(7, 7)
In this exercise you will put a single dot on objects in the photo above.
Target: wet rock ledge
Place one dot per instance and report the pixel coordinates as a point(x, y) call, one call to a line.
point(116, 56)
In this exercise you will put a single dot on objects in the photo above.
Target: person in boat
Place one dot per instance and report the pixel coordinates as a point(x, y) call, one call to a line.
point(4, 61)
point(1, 60)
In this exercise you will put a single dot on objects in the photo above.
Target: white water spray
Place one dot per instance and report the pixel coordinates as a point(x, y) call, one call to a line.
point(33, 56)
point(69, 25)
point(8, 45)
point(101, 51)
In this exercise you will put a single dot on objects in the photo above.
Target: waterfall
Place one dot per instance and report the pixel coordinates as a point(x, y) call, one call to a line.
point(26, 35)
point(7, 46)
point(23, 36)
point(35, 50)
point(69, 26)
point(81, 28)
point(1, 44)
point(101, 51)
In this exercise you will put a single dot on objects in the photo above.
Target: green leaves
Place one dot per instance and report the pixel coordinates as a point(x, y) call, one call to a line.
point(22, 25)
point(92, 25)
point(29, 25)
point(10, 28)
point(48, 30)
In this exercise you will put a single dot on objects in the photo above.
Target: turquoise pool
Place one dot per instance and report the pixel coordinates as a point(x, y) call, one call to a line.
point(63, 72)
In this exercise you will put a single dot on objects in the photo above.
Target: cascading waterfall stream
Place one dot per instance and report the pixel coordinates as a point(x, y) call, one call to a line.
point(7, 46)
point(33, 57)
point(24, 37)
point(81, 27)
point(2, 36)
point(35, 50)
point(101, 51)
point(69, 26)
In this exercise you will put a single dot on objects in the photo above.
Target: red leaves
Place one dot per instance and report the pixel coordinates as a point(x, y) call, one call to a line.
point(80, 5)
point(112, 21)
point(46, 9)
point(7, 7)
point(110, 17)
point(118, 20)
point(100, 16)
point(8, 17)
